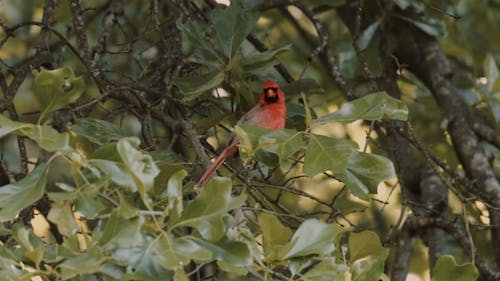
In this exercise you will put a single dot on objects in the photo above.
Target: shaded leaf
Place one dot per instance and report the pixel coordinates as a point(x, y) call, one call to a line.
point(374, 106)
point(258, 61)
point(57, 88)
point(86, 263)
point(367, 256)
point(301, 86)
point(174, 194)
point(118, 232)
point(313, 237)
point(98, 131)
point(192, 87)
point(326, 270)
point(446, 268)
point(284, 143)
point(178, 252)
point(366, 36)
point(206, 211)
point(232, 25)
point(228, 253)
point(204, 53)
point(431, 26)
point(16, 196)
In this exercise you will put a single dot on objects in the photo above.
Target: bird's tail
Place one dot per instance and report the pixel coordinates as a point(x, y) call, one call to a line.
point(217, 163)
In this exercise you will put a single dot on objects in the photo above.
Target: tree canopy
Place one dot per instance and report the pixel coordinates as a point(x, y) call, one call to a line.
point(388, 168)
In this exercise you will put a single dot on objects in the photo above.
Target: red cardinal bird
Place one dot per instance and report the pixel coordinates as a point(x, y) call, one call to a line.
point(269, 113)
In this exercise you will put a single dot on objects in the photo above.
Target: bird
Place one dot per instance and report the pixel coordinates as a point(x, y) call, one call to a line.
point(269, 113)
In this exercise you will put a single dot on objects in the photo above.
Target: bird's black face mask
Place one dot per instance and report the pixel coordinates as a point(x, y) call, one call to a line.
point(271, 95)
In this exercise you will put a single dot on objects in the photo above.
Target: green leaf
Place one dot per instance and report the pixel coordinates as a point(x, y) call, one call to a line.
point(431, 26)
point(174, 194)
point(142, 260)
point(180, 275)
point(86, 263)
point(257, 62)
point(16, 196)
point(118, 232)
point(47, 137)
point(491, 92)
point(284, 143)
point(118, 173)
point(249, 139)
point(192, 87)
point(306, 242)
point(140, 165)
point(57, 88)
point(8, 126)
point(364, 244)
point(447, 269)
point(325, 153)
point(228, 253)
point(374, 106)
point(178, 252)
point(330, 3)
point(364, 172)
point(98, 131)
point(206, 211)
point(367, 256)
point(232, 25)
point(326, 270)
point(204, 52)
point(366, 36)
point(301, 86)
point(62, 216)
point(274, 236)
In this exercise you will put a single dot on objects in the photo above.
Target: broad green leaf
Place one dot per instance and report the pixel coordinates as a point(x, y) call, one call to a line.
point(142, 259)
point(62, 216)
point(431, 26)
point(174, 194)
point(249, 139)
point(367, 256)
point(118, 232)
point(118, 173)
point(178, 252)
point(328, 269)
point(206, 211)
point(204, 52)
point(57, 88)
point(491, 91)
point(16, 196)
point(11, 270)
point(284, 143)
point(257, 62)
point(364, 172)
point(47, 137)
point(232, 25)
point(86, 263)
point(325, 153)
point(89, 205)
point(126, 209)
point(313, 237)
point(447, 269)
point(193, 86)
point(364, 244)
point(180, 275)
point(228, 253)
point(140, 165)
point(98, 131)
point(374, 106)
point(366, 36)
point(8, 126)
point(274, 236)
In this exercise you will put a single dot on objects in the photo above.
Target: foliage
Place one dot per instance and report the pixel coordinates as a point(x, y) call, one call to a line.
point(101, 142)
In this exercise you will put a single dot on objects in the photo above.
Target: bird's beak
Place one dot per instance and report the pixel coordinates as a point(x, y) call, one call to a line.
point(271, 93)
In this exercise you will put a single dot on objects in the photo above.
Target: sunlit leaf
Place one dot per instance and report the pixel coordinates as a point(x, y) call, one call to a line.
point(8, 126)
point(177, 252)
point(364, 172)
point(374, 106)
point(206, 211)
point(62, 216)
point(446, 268)
point(367, 256)
point(284, 143)
point(325, 153)
point(47, 137)
point(57, 88)
point(16, 196)
point(232, 25)
point(307, 242)
point(274, 236)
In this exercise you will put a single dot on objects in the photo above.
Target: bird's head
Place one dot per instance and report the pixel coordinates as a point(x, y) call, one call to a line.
point(271, 94)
